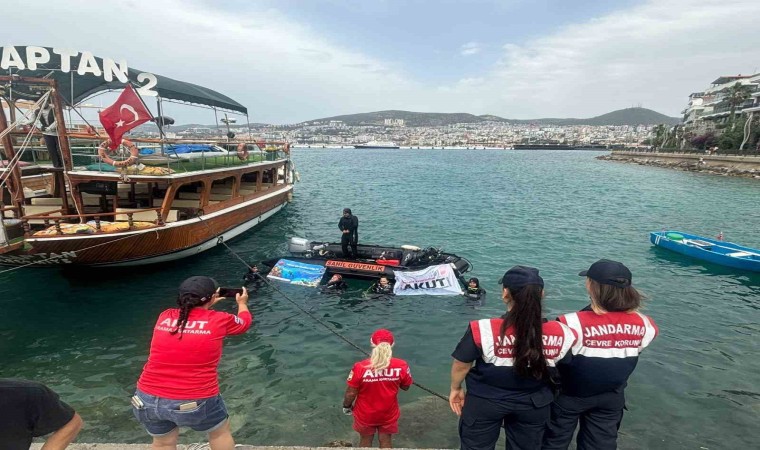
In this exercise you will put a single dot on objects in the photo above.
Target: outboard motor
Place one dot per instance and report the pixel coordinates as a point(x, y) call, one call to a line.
point(297, 245)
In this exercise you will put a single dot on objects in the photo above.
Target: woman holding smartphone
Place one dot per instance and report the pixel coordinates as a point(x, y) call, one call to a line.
point(179, 384)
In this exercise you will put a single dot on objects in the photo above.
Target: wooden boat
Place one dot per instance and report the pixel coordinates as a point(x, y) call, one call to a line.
point(372, 261)
point(108, 216)
point(706, 249)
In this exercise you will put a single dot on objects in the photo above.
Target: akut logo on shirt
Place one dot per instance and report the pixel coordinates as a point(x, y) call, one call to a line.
point(389, 374)
point(191, 327)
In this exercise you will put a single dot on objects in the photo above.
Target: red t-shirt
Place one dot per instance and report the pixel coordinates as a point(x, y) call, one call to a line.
point(185, 369)
point(377, 402)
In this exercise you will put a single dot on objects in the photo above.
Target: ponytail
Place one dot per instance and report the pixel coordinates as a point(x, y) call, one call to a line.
point(381, 356)
point(527, 319)
point(186, 303)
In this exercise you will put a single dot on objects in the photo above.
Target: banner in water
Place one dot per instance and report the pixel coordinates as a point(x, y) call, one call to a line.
point(295, 272)
point(435, 280)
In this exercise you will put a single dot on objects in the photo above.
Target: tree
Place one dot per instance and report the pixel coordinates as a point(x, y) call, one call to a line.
point(660, 134)
point(735, 97)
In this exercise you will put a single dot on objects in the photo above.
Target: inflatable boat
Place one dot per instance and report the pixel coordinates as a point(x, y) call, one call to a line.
point(372, 261)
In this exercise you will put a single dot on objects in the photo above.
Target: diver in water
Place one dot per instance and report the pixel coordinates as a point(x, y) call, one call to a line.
point(474, 291)
point(253, 278)
point(383, 286)
point(336, 284)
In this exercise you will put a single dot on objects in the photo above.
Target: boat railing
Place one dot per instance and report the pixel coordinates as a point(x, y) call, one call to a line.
point(84, 155)
point(48, 219)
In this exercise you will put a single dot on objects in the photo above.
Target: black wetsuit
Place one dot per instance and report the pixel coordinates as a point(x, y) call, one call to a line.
point(335, 286)
point(254, 279)
point(350, 223)
point(379, 289)
point(474, 293)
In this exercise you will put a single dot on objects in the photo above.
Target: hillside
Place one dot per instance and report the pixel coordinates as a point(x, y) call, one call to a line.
point(628, 116)
point(412, 119)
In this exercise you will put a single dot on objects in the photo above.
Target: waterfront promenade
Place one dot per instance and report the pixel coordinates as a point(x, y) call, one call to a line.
point(729, 165)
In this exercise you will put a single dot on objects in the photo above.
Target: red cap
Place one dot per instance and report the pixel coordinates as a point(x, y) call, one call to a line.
point(382, 335)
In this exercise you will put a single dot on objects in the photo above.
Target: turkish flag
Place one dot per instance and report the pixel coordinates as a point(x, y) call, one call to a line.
point(127, 113)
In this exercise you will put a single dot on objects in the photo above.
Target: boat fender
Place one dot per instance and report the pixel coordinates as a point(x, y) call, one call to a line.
point(675, 236)
point(242, 151)
point(105, 148)
point(411, 248)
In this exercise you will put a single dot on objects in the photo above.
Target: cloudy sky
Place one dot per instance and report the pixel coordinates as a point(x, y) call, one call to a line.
point(295, 60)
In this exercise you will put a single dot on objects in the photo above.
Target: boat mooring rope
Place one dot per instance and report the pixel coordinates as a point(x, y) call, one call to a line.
point(75, 251)
point(316, 319)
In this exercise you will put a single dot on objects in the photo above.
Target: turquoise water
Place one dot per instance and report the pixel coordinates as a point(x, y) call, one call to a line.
point(86, 333)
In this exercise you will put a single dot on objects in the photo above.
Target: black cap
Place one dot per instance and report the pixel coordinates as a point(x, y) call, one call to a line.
point(611, 273)
point(521, 276)
point(346, 210)
point(203, 287)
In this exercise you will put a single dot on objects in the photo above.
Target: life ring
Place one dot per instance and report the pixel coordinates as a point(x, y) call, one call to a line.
point(242, 151)
point(104, 149)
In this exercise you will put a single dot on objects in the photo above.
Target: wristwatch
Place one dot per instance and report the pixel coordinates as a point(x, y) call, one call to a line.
point(347, 411)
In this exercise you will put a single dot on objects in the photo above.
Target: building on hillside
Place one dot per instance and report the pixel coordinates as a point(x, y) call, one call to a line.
point(708, 110)
point(394, 122)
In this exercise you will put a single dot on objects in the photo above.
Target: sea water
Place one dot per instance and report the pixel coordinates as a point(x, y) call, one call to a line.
point(86, 332)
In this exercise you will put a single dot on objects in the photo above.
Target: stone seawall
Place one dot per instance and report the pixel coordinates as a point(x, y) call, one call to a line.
point(735, 166)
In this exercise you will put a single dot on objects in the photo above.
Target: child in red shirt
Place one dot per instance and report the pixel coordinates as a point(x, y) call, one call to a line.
point(372, 391)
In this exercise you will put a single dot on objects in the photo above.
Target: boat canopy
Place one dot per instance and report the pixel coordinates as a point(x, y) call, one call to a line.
point(81, 75)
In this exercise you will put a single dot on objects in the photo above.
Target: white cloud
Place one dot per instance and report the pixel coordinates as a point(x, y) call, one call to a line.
point(654, 54)
point(284, 71)
point(470, 48)
point(281, 70)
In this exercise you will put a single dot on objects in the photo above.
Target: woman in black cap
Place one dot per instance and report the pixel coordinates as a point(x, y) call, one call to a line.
point(612, 334)
point(509, 384)
point(179, 384)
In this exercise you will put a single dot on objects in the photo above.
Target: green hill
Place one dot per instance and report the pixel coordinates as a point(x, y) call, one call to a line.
point(628, 116)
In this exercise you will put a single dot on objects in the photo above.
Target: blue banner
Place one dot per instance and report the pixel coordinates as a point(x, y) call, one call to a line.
point(295, 272)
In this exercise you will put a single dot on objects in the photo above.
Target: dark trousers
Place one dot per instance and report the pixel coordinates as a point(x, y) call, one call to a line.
point(351, 239)
point(51, 142)
point(482, 420)
point(599, 416)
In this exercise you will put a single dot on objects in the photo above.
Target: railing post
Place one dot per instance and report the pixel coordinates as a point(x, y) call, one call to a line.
point(97, 224)
point(130, 220)
point(159, 219)
point(58, 229)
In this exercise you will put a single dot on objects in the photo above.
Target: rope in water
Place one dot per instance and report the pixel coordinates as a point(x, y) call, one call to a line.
point(316, 319)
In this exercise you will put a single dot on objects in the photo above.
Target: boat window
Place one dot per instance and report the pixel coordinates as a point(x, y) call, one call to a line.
point(221, 190)
point(249, 183)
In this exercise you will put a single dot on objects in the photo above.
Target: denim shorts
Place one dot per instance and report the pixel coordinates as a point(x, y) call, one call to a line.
point(161, 416)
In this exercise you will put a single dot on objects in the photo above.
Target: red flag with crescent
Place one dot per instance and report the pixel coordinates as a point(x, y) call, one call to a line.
point(128, 112)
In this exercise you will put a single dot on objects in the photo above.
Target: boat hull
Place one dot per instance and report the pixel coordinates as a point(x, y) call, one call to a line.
point(710, 250)
point(170, 242)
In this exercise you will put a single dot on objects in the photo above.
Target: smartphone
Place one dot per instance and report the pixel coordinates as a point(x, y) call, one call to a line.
point(230, 292)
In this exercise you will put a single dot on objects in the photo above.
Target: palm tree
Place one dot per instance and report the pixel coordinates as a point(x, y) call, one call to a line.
point(736, 96)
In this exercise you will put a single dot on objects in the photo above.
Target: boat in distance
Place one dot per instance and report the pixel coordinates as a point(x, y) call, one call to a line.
point(376, 144)
point(706, 249)
point(372, 261)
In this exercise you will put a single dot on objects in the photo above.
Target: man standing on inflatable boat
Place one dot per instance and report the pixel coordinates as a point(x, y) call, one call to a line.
point(349, 226)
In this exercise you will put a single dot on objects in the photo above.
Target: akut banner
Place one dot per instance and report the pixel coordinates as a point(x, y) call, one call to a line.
point(435, 280)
